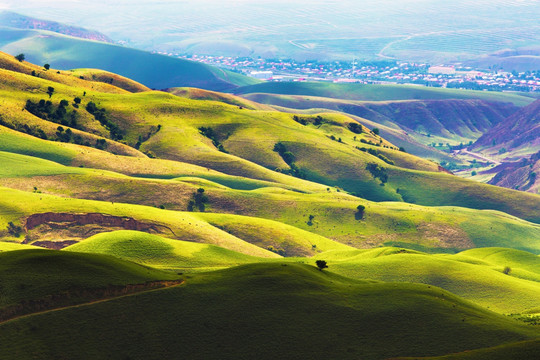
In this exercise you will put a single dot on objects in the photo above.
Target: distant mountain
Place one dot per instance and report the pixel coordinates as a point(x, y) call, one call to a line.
point(18, 21)
point(516, 137)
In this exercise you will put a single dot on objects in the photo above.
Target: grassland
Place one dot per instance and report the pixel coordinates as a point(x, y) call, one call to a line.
point(170, 196)
point(476, 275)
point(65, 271)
point(305, 311)
point(159, 252)
point(363, 92)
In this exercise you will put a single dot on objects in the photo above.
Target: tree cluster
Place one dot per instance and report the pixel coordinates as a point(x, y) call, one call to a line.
point(101, 115)
point(198, 201)
point(289, 158)
point(212, 135)
point(378, 172)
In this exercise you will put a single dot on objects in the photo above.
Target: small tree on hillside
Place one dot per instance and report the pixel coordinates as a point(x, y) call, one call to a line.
point(359, 215)
point(47, 66)
point(50, 91)
point(20, 57)
point(321, 264)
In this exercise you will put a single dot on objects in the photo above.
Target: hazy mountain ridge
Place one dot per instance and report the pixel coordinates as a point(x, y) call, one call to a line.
point(18, 21)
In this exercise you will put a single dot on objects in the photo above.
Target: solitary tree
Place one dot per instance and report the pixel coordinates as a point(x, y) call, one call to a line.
point(321, 264)
point(50, 91)
point(20, 57)
point(360, 213)
point(47, 66)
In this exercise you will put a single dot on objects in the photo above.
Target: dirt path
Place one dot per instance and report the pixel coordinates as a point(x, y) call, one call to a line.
point(478, 156)
point(92, 302)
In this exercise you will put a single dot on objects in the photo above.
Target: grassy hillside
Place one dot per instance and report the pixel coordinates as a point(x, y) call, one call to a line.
point(169, 127)
point(61, 272)
point(199, 94)
point(370, 92)
point(159, 252)
point(334, 215)
point(476, 275)
point(429, 121)
point(305, 311)
point(153, 70)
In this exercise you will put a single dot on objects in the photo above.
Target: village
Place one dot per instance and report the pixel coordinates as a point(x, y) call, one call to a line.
point(376, 72)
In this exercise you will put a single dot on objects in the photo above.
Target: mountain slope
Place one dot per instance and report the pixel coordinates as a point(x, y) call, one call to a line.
point(153, 70)
point(516, 136)
point(520, 175)
point(18, 21)
point(459, 119)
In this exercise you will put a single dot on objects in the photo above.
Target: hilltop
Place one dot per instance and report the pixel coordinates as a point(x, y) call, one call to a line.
point(19, 21)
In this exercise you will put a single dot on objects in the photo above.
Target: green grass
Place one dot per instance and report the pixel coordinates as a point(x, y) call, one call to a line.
point(379, 92)
point(159, 252)
point(474, 278)
point(14, 142)
point(250, 135)
point(305, 313)
point(518, 350)
point(15, 165)
point(35, 274)
point(9, 246)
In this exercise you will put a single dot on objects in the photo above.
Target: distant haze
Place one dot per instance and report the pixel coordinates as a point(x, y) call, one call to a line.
point(420, 30)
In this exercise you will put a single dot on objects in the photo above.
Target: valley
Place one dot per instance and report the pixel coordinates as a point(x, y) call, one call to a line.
point(193, 223)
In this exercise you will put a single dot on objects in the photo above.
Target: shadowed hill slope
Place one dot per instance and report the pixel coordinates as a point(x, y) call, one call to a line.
point(518, 135)
point(286, 302)
point(152, 70)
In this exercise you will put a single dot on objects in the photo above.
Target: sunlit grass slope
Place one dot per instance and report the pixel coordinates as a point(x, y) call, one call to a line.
point(249, 137)
point(233, 313)
point(463, 274)
point(159, 252)
point(334, 215)
point(200, 94)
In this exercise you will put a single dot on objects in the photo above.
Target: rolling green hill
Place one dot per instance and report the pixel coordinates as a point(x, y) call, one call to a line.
point(146, 191)
point(153, 70)
point(170, 128)
point(159, 252)
point(61, 272)
point(428, 121)
point(476, 275)
point(362, 92)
